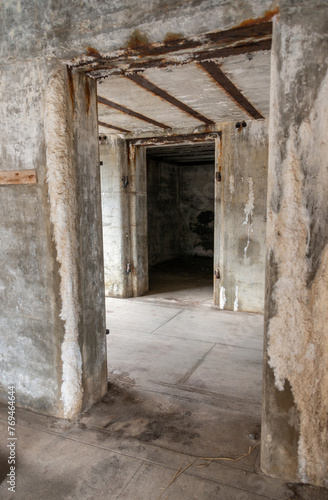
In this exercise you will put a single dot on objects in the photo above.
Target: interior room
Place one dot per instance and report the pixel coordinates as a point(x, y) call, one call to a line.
point(137, 138)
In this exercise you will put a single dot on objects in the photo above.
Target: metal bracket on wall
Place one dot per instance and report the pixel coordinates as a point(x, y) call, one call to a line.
point(217, 274)
point(125, 181)
point(218, 176)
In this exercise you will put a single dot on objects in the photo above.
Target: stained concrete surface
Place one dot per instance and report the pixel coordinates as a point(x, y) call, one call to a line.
point(177, 391)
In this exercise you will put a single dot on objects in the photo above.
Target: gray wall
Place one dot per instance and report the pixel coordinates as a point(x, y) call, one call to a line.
point(196, 206)
point(241, 217)
point(66, 29)
point(295, 411)
point(52, 320)
point(163, 211)
point(180, 210)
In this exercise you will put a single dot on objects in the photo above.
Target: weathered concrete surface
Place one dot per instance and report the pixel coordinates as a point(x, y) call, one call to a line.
point(241, 217)
point(29, 347)
point(75, 212)
point(67, 29)
point(196, 207)
point(138, 219)
point(295, 412)
point(115, 213)
point(163, 211)
point(180, 210)
point(52, 340)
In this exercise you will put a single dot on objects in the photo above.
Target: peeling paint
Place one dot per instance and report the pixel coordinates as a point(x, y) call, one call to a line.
point(222, 297)
point(248, 211)
point(235, 304)
point(232, 184)
point(297, 333)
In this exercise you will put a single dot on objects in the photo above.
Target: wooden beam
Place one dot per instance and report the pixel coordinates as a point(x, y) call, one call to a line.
point(18, 177)
point(217, 74)
point(103, 124)
point(130, 112)
point(151, 87)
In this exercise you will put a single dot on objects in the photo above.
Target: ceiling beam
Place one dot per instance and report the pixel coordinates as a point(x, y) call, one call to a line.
point(103, 69)
point(130, 112)
point(217, 74)
point(176, 139)
point(103, 124)
point(249, 34)
point(151, 87)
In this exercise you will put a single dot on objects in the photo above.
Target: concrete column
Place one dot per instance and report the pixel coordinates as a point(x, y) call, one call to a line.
point(295, 410)
point(138, 219)
point(124, 218)
point(116, 217)
point(240, 223)
point(53, 315)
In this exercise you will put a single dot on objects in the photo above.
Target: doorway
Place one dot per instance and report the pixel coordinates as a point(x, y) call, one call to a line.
point(180, 213)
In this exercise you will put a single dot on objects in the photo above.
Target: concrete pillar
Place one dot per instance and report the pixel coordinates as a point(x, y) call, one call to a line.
point(124, 217)
point(240, 222)
point(116, 216)
point(53, 314)
point(138, 219)
point(295, 410)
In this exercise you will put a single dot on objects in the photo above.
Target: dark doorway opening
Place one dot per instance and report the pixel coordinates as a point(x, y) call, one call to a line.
point(180, 211)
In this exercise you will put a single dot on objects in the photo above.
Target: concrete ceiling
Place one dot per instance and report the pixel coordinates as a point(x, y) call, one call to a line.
point(191, 85)
point(185, 83)
point(187, 154)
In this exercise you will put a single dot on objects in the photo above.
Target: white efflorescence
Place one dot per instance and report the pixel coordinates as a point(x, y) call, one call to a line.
point(297, 333)
point(222, 297)
point(231, 184)
point(63, 210)
point(235, 304)
point(248, 211)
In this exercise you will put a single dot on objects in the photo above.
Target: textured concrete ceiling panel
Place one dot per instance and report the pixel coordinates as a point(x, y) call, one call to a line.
point(251, 75)
point(122, 120)
point(123, 91)
point(192, 85)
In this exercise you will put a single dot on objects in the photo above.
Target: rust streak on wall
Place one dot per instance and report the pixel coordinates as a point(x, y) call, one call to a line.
point(87, 94)
point(267, 17)
point(71, 86)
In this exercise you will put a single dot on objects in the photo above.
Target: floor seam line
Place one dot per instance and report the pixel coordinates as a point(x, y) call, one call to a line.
point(146, 461)
point(165, 322)
point(136, 472)
point(194, 368)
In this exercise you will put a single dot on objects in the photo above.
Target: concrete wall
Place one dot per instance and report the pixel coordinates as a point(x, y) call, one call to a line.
point(241, 217)
point(66, 29)
point(196, 207)
point(163, 211)
point(124, 217)
point(116, 219)
point(53, 321)
point(180, 210)
point(31, 330)
point(295, 411)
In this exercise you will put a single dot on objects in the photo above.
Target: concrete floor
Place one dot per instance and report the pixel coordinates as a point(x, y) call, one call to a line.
point(184, 383)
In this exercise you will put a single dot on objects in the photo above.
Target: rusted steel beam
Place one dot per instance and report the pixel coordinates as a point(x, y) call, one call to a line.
point(146, 84)
point(175, 139)
point(130, 112)
point(102, 69)
point(103, 124)
point(228, 38)
point(217, 74)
